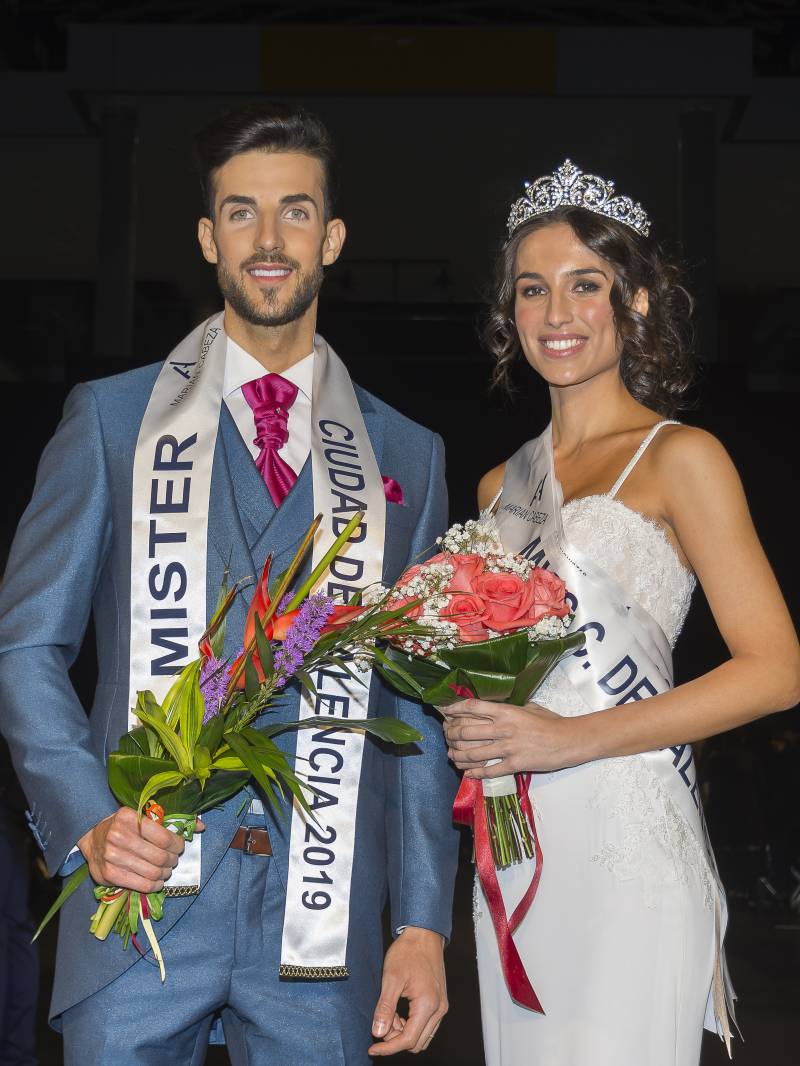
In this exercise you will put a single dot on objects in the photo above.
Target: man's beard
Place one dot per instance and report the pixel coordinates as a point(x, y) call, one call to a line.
point(266, 311)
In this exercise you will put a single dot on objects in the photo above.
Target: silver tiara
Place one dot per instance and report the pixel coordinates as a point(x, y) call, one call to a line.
point(569, 186)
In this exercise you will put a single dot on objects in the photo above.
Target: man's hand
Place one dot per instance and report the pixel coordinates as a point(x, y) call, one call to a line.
point(414, 969)
point(128, 853)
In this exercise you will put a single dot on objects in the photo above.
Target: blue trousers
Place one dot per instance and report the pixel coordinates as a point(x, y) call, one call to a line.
point(222, 959)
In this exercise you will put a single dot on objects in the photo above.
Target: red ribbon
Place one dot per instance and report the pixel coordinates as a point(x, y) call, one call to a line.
point(469, 809)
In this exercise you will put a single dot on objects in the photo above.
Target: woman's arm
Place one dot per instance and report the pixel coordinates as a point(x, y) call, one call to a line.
point(704, 503)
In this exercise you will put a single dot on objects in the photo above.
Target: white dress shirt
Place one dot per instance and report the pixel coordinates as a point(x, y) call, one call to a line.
point(241, 367)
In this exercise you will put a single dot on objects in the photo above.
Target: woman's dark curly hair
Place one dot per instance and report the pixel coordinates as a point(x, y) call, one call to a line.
point(656, 365)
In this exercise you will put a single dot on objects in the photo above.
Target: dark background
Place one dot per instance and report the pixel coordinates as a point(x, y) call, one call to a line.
point(439, 111)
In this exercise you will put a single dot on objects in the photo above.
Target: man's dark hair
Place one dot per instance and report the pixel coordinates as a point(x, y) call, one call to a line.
point(264, 127)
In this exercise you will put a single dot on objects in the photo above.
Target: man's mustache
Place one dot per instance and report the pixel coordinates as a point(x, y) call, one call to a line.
point(270, 259)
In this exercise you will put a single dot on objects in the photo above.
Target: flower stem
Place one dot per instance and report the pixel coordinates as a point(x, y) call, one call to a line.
point(509, 833)
point(108, 913)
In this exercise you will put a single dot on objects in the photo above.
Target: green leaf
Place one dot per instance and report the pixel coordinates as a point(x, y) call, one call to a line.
point(325, 562)
point(146, 701)
point(211, 733)
point(191, 707)
point(245, 751)
point(267, 751)
point(424, 671)
point(217, 625)
point(264, 648)
point(252, 686)
point(392, 730)
point(192, 799)
point(128, 775)
point(545, 655)
point(500, 655)
point(293, 567)
point(306, 681)
point(340, 664)
point(398, 676)
point(155, 902)
point(134, 742)
point(486, 686)
point(167, 779)
point(395, 681)
point(202, 764)
point(276, 583)
point(133, 912)
point(75, 879)
point(171, 741)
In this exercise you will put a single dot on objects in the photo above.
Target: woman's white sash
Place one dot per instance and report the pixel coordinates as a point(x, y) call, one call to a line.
point(171, 487)
point(627, 656)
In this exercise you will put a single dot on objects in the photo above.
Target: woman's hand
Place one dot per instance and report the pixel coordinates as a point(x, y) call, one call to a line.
point(523, 738)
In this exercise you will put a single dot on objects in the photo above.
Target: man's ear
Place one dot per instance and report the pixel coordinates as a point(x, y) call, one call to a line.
point(335, 234)
point(641, 302)
point(205, 237)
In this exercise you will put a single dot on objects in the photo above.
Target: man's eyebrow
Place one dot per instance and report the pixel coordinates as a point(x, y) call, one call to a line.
point(298, 198)
point(533, 276)
point(250, 201)
point(236, 198)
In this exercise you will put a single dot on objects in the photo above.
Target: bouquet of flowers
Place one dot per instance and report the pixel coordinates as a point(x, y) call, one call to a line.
point(200, 746)
point(494, 625)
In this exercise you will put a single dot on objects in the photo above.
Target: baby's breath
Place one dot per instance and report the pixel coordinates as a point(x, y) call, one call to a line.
point(477, 536)
point(549, 628)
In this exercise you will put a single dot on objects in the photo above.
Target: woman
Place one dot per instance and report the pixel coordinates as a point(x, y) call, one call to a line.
point(623, 940)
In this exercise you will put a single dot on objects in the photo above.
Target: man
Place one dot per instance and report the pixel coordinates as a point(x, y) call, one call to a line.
point(154, 481)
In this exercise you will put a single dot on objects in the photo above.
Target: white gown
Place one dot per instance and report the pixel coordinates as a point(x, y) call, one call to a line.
point(619, 943)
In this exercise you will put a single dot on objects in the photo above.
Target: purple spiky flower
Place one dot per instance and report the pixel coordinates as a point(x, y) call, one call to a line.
point(303, 634)
point(213, 683)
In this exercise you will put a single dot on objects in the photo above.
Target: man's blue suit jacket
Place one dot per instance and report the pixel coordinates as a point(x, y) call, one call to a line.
point(71, 556)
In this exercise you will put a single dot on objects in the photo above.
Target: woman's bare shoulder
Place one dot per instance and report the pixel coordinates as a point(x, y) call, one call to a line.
point(695, 472)
point(490, 484)
point(679, 448)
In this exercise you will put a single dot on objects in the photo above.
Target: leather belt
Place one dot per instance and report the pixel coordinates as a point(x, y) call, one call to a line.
point(251, 841)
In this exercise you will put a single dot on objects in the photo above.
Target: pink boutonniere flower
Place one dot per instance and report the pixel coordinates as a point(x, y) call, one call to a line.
point(393, 491)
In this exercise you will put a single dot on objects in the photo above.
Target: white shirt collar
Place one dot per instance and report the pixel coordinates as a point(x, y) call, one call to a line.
point(241, 367)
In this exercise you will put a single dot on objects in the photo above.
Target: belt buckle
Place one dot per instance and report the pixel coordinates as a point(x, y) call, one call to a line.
point(249, 841)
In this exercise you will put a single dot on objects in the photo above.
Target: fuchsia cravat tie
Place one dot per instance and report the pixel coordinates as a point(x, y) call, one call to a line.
point(270, 398)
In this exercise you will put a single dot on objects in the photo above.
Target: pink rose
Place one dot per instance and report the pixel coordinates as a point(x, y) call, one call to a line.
point(412, 571)
point(549, 593)
point(508, 599)
point(468, 612)
point(466, 570)
point(513, 603)
point(412, 614)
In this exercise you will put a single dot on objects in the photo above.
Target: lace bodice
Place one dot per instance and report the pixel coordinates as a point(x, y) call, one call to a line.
point(636, 553)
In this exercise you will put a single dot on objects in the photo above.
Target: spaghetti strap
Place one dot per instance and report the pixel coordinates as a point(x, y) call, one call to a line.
point(639, 453)
point(490, 509)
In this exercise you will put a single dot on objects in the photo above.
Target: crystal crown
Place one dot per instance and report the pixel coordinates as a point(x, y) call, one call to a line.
point(569, 186)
